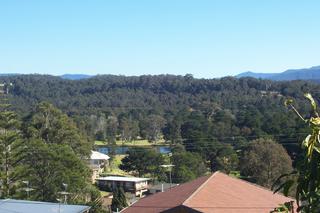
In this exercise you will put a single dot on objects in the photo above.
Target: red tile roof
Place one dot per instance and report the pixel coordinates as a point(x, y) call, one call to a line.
point(166, 200)
point(217, 193)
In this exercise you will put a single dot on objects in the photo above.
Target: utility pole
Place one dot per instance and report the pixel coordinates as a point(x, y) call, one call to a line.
point(169, 166)
point(64, 193)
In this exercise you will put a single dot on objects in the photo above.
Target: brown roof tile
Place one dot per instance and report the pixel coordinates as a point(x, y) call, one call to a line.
point(168, 199)
point(218, 193)
point(222, 193)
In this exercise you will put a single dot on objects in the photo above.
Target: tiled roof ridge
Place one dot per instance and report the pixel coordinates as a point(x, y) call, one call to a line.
point(256, 185)
point(199, 188)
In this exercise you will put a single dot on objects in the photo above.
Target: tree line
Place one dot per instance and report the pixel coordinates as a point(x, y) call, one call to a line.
point(44, 156)
point(212, 124)
point(210, 117)
point(151, 107)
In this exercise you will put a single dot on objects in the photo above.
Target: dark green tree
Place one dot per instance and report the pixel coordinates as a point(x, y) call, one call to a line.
point(187, 166)
point(119, 200)
point(48, 166)
point(154, 125)
point(11, 151)
point(54, 127)
point(264, 161)
point(226, 159)
point(55, 154)
point(172, 131)
point(129, 129)
point(141, 161)
point(11, 146)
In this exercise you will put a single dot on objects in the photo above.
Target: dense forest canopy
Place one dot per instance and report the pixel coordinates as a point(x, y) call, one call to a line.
point(182, 108)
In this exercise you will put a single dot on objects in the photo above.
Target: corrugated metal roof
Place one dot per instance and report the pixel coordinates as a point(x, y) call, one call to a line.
point(125, 179)
point(25, 206)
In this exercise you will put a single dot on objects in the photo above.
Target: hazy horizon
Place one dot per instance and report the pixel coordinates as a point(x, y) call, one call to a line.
point(93, 74)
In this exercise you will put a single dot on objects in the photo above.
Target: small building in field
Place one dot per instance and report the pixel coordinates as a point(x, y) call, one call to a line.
point(26, 206)
point(134, 185)
point(98, 161)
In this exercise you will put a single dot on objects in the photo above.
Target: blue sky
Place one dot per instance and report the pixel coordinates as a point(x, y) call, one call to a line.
point(207, 38)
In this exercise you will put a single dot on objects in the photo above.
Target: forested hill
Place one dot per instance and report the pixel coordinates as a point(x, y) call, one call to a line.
point(312, 74)
point(179, 105)
point(156, 93)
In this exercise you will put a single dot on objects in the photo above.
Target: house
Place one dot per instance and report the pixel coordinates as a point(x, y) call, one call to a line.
point(26, 206)
point(135, 185)
point(98, 161)
point(161, 187)
point(217, 193)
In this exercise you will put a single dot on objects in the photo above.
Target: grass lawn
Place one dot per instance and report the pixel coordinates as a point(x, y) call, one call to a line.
point(99, 143)
point(235, 174)
point(104, 193)
point(132, 143)
point(114, 167)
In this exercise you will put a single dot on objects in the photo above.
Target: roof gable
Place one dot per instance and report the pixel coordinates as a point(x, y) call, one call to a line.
point(221, 193)
point(218, 193)
point(166, 200)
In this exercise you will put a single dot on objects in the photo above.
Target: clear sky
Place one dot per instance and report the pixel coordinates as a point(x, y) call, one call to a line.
point(207, 38)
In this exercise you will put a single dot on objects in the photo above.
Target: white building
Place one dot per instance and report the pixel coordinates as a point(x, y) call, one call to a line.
point(98, 162)
point(134, 185)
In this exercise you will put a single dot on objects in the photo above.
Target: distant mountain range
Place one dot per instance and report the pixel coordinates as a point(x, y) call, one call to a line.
point(65, 76)
point(312, 73)
point(75, 76)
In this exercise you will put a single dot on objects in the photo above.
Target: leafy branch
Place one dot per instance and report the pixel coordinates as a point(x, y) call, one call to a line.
point(308, 169)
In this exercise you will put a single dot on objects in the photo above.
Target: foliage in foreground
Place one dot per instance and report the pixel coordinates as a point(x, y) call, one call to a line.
point(43, 157)
point(308, 169)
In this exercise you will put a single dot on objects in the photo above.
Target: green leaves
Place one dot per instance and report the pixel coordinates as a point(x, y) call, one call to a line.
point(284, 183)
point(142, 161)
point(264, 160)
point(288, 102)
point(313, 103)
point(10, 152)
point(54, 127)
point(308, 169)
point(119, 200)
point(188, 166)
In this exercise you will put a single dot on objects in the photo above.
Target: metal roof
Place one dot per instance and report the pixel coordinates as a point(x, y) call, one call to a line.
point(98, 156)
point(25, 206)
point(124, 179)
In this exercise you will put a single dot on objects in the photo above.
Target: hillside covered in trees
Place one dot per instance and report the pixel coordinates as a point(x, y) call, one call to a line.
point(212, 124)
point(224, 108)
point(181, 109)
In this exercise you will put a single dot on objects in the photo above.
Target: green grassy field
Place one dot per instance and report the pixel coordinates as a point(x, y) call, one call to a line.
point(114, 167)
point(132, 143)
point(99, 143)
